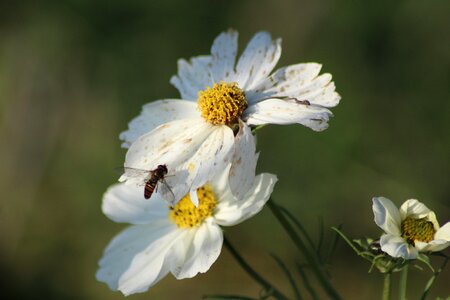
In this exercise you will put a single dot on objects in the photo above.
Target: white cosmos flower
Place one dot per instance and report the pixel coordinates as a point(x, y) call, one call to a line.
point(198, 136)
point(184, 239)
point(409, 230)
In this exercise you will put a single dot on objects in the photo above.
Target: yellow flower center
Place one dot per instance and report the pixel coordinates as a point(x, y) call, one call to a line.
point(222, 104)
point(417, 230)
point(185, 215)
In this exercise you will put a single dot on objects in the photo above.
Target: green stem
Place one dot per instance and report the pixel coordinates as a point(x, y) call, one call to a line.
point(432, 279)
point(258, 278)
point(310, 257)
point(387, 286)
point(403, 283)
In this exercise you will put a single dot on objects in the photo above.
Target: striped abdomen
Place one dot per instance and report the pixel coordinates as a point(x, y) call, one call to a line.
point(150, 186)
point(155, 176)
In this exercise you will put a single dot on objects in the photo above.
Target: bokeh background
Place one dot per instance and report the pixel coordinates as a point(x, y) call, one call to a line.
point(74, 72)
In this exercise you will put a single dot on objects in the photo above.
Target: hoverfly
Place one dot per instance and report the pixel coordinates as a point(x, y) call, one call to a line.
point(152, 180)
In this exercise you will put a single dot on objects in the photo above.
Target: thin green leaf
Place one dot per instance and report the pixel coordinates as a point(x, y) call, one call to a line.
point(333, 246)
point(426, 261)
point(308, 286)
point(321, 236)
point(440, 254)
point(347, 240)
point(258, 127)
point(288, 275)
point(250, 271)
point(299, 226)
point(309, 255)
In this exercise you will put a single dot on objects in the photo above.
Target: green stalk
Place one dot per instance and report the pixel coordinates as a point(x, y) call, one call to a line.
point(386, 286)
point(258, 278)
point(403, 283)
point(310, 257)
point(433, 279)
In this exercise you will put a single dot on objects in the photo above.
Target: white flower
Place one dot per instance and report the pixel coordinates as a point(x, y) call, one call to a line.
point(198, 136)
point(184, 240)
point(410, 230)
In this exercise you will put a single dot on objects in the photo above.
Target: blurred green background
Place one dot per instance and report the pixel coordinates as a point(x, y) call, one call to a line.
point(73, 73)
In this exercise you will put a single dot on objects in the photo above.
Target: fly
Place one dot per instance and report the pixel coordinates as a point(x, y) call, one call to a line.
point(153, 180)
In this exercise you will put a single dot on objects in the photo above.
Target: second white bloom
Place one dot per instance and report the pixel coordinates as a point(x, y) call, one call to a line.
point(409, 230)
point(184, 240)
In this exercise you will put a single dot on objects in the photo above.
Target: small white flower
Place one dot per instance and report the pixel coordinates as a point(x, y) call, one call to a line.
point(410, 230)
point(198, 136)
point(184, 239)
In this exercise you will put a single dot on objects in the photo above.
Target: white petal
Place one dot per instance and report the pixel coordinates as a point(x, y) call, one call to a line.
point(258, 60)
point(193, 76)
point(431, 217)
point(421, 246)
point(433, 246)
point(202, 251)
point(438, 245)
point(284, 81)
point(194, 197)
point(223, 53)
point(414, 209)
point(126, 203)
point(157, 113)
point(396, 246)
point(242, 172)
point(120, 252)
point(177, 255)
point(150, 265)
point(386, 215)
point(220, 182)
point(231, 211)
point(443, 233)
point(193, 150)
point(171, 144)
point(212, 157)
point(299, 82)
point(277, 111)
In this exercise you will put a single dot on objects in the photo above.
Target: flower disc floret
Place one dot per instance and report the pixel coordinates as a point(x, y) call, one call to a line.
point(223, 104)
point(417, 230)
point(186, 215)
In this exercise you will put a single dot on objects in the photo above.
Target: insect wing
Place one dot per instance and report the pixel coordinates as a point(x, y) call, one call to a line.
point(165, 191)
point(144, 175)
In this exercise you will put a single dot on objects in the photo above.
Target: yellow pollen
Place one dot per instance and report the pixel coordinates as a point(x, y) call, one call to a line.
point(222, 104)
point(417, 230)
point(185, 215)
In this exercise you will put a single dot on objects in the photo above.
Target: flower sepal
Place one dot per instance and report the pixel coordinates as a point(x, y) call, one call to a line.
point(370, 250)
